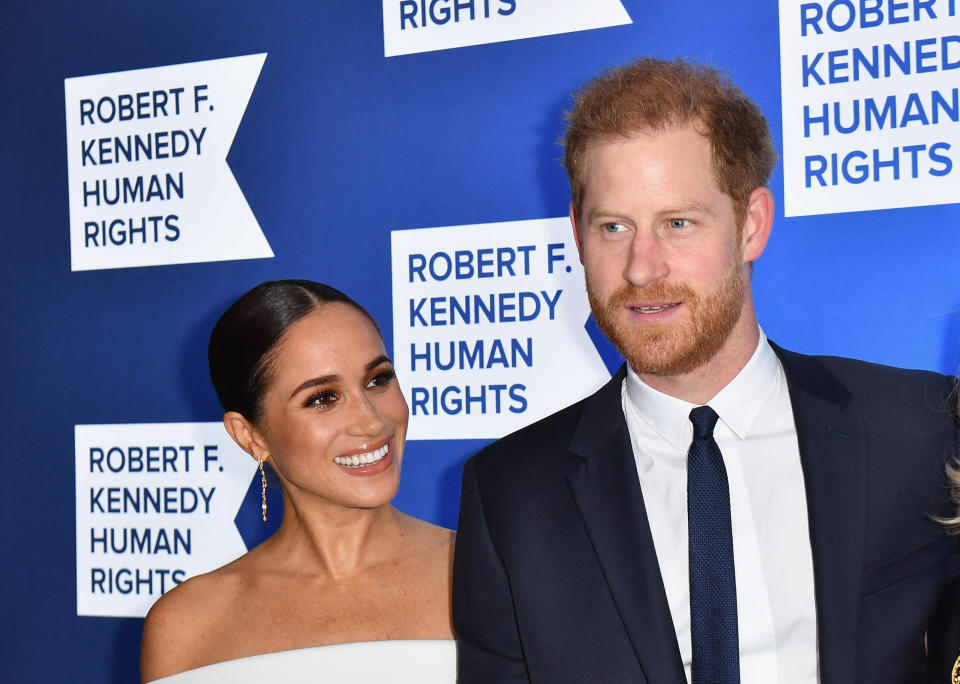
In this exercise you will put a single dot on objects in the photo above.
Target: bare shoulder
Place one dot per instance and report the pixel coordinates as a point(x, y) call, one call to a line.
point(178, 629)
point(429, 537)
point(422, 580)
point(428, 552)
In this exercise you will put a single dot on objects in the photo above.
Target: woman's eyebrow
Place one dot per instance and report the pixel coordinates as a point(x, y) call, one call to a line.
point(313, 382)
point(327, 379)
point(383, 358)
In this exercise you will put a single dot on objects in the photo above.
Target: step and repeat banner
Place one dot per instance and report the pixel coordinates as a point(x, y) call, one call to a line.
point(162, 158)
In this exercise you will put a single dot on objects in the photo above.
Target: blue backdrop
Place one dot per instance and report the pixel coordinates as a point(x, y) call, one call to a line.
point(340, 145)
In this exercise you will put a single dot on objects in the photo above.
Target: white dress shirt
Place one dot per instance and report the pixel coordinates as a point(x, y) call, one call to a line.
point(776, 610)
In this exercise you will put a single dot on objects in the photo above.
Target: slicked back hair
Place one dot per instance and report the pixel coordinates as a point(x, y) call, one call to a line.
point(243, 340)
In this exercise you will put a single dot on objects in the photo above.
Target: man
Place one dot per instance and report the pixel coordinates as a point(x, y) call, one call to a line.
point(780, 535)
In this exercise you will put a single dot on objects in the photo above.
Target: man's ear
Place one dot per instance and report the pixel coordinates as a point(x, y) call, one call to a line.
point(246, 435)
point(576, 231)
point(757, 224)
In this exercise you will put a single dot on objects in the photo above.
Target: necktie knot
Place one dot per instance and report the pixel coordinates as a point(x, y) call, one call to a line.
point(704, 419)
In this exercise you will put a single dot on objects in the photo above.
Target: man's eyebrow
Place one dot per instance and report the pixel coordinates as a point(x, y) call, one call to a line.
point(596, 212)
point(688, 207)
point(683, 208)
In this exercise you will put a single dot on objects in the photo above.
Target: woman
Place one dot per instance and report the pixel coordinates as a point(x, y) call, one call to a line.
point(943, 638)
point(308, 390)
point(943, 633)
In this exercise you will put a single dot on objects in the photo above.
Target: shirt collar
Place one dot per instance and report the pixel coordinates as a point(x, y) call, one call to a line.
point(738, 404)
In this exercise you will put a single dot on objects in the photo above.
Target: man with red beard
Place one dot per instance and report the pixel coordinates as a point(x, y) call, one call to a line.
point(722, 510)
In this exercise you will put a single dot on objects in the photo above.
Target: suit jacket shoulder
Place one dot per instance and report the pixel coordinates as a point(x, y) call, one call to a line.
point(550, 447)
point(876, 385)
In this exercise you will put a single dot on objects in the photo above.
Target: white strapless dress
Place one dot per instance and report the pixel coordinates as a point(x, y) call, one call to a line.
point(366, 662)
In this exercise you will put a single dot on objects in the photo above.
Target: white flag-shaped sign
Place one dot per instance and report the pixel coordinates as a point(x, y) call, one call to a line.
point(488, 324)
point(411, 26)
point(156, 504)
point(147, 172)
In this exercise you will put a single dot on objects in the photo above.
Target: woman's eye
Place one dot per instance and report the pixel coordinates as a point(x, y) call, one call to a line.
point(679, 223)
point(322, 399)
point(382, 379)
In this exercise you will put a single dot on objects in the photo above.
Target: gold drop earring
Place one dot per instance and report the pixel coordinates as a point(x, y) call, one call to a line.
point(263, 490)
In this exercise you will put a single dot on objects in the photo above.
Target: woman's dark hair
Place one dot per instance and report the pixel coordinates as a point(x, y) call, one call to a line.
point(242, 341)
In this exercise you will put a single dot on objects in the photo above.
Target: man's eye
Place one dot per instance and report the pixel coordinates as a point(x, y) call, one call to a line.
point(614, 227)
point(679, 223)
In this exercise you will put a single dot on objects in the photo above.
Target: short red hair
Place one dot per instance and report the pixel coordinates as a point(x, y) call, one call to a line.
point(654, 94)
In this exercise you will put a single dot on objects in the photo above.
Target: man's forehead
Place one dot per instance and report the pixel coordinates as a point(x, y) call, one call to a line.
point(672, 155)
point(676, 177)
point(645, 134)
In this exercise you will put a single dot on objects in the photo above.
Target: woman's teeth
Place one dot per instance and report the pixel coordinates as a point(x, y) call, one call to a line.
point(358, 460)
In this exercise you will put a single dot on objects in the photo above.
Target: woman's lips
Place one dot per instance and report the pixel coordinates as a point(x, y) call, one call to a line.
point(367, 462)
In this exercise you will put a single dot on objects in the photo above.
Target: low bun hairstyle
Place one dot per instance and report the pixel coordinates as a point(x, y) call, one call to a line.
point(242, 341)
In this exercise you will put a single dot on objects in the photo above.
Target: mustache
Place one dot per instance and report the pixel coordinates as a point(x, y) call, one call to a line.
point(655, 292)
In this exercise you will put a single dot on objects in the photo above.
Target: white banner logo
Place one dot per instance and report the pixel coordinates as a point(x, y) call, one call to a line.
point(147, 166)
point(488, 324)
point(870, 104)
point(411, 26)
point(155, 505)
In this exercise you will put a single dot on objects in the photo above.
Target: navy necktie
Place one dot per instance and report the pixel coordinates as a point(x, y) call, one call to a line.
point(713, 586)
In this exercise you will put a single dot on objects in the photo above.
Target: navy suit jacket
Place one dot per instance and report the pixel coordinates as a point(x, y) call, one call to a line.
point(555, 573)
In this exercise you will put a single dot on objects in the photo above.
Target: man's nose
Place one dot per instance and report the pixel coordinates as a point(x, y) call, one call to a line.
point(646, 262)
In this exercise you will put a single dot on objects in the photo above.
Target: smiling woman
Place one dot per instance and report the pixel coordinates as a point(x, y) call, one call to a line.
point(308, 389)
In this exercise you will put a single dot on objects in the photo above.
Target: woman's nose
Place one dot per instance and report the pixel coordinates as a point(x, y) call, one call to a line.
point(365, 418)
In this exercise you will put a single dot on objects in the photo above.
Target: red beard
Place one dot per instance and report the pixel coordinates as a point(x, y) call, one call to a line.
point(674, 347)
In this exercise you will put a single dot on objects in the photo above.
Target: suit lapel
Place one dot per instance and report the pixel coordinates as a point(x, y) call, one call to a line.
point(832, 454)
point(607, 493)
